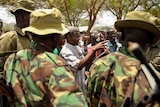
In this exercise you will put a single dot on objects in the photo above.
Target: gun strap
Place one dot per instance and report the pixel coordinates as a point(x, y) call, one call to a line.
point(148, 76)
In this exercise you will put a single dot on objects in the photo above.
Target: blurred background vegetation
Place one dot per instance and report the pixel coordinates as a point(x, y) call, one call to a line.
point(84, 12)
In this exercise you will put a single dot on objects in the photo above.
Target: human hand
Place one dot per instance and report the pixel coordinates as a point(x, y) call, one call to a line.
point(100, 45)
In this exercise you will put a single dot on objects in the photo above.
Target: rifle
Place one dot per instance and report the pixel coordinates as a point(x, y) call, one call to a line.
point(150, 73)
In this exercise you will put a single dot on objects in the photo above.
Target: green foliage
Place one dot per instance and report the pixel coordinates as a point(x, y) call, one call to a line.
point(152, 6)
point(84, 22)
point(121, 7)
point(155, 11)
point(73, 10)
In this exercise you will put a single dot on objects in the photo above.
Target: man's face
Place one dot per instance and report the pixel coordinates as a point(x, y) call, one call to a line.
point(63, 40)
point(26, 19)
point(57, 39)
point(136, 35)
point(54, 40)
point(112, 36)
point(75, 38)
point(22, 18)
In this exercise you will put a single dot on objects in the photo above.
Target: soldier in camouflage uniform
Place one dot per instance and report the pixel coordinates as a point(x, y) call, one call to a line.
point(37, 76)
point(117, 79)
point(13, 41)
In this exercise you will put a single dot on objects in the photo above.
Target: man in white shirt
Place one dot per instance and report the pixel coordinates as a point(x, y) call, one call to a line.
point(74, 55)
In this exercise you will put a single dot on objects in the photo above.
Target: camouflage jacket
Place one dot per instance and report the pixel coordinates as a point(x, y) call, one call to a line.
point(44, 80)
point(116, 80)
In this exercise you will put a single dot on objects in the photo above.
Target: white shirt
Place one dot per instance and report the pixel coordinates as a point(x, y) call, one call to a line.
point(73, 55)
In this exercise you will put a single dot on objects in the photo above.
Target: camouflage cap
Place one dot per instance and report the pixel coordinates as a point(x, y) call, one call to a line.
point(142, 20)
point(26, 5)
point(46, 21)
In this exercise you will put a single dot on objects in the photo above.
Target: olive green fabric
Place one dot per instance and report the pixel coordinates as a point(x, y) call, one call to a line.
point(11, 42)
point(142, 20)
point(45, 80)
point(46, 21)
point(153, 51)
point(27, 5)
point(116, 80)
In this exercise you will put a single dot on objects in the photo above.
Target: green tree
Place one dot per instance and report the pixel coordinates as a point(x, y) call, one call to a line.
point(92, 7)
point(73, 12)
point(152, 6)
point(121, 7)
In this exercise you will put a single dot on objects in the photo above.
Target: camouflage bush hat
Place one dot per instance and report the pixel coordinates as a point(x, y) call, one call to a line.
point(46, 21)
point(26, 5)
point(142, 20)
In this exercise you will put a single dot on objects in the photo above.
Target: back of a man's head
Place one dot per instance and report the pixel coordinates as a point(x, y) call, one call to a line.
point(72, 30)
point(141, 20)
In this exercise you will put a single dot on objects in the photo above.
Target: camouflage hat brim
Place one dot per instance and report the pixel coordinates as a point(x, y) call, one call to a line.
point(137, 24)
point(20, 8)
point(141, 20)
point(46, 29)
point(26, 5)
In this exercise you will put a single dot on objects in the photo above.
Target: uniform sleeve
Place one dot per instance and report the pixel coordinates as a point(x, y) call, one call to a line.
point(12, 77)
point(8, 42)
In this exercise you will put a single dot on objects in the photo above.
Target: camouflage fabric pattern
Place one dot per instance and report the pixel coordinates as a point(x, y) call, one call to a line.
point(114, 79)
point(44, 80)
point(156, 62)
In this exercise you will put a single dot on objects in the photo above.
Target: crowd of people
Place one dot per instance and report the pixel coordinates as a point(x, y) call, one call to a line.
point(45, 63)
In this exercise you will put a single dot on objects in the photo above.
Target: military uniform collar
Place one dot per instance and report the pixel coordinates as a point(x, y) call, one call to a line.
point(18, 30)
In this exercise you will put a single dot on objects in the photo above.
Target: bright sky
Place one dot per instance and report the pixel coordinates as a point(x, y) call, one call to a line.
point(6, 16)
point(106, 18)
point(103, 19)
